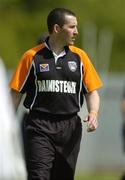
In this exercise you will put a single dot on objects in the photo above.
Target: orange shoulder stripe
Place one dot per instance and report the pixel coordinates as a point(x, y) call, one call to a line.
point(91, 79)
point(23, 68)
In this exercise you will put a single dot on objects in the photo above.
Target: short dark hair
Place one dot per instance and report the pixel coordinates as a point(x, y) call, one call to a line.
point(57, 16)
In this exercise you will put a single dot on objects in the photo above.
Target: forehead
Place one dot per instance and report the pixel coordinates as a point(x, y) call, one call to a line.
point(69, 19)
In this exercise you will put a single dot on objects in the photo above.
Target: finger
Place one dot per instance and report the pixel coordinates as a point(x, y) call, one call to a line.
point(92, 120)
point(93, 126)
point(94, 123)
point(90, 129)
point(86, 119)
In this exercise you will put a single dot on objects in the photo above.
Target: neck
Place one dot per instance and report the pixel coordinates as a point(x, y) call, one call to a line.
point(55, 45)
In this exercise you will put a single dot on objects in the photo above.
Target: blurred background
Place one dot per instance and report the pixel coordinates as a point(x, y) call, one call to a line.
point(101, 25)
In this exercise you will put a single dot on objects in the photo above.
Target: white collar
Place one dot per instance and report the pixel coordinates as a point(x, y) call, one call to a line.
point(54, 54)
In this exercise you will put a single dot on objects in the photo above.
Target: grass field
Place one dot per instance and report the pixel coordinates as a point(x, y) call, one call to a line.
point(99, 177)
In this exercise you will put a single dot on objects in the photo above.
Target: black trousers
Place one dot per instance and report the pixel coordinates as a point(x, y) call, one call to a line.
point(52, 144)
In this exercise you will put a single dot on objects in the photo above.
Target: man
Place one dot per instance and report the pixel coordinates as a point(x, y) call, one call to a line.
point(54, 75)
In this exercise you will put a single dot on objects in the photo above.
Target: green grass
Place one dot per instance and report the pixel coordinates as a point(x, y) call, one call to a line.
point(99, 177)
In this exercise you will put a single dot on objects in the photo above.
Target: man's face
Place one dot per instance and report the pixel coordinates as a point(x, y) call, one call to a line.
point(68, 31)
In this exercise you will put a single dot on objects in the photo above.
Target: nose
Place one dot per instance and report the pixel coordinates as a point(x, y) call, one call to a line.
point(76, 31)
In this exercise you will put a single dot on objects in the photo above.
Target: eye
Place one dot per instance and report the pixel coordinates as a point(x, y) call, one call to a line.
point(73, 27)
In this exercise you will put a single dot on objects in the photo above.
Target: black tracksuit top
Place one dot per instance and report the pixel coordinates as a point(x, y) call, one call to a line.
point(55, 87)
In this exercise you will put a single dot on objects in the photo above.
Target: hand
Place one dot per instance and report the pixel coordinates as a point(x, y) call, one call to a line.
point(92, 121)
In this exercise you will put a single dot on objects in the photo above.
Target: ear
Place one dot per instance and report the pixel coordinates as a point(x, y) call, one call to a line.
point(56, 28)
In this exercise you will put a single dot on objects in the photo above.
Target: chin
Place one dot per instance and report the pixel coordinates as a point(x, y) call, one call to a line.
point(71, 43)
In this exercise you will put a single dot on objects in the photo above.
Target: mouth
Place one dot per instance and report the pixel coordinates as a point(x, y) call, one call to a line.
point(73, 39)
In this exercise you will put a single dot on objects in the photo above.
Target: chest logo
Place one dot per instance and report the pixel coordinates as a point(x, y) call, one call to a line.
point(44, 67)
point(72, 66)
